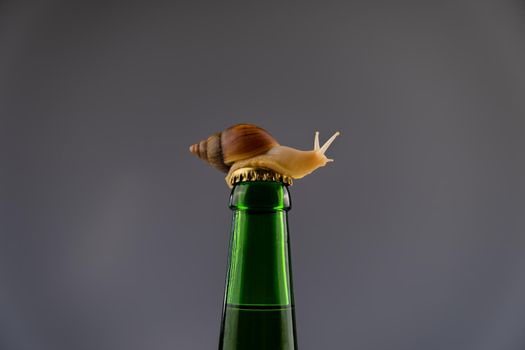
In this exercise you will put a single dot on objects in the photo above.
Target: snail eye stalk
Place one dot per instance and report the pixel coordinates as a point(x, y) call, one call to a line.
point(327, 144)
point(316, 141)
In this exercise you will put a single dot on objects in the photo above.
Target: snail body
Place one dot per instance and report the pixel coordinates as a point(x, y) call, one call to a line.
point(247, 145)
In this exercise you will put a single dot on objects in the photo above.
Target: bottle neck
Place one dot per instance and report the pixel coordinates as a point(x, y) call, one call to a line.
point(260, 196)
point(259, 272)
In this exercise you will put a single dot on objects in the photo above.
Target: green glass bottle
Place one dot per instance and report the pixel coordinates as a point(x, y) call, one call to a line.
point(258, 304)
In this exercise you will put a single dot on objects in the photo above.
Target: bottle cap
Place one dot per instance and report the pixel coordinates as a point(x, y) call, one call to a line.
point(257, 174)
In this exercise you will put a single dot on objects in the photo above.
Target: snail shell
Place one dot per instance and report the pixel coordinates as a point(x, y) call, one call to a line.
point(238, 142)
point(249, 146)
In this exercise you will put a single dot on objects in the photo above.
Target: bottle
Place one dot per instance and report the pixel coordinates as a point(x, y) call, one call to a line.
point(258, 308)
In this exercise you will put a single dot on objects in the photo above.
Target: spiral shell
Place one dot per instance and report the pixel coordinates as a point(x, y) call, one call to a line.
point(238, 142)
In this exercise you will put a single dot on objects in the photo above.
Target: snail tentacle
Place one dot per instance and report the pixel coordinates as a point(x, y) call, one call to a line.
point(327, 144)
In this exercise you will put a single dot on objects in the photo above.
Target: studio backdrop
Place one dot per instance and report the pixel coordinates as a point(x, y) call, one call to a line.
point(113, 236)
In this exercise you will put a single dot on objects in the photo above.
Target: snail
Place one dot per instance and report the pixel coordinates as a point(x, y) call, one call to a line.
point(250, 146)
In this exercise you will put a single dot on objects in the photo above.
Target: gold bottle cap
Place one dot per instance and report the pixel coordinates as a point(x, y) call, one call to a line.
point(257, 174)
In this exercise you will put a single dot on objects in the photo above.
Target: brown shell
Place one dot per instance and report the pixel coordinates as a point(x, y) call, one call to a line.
point(238, 142)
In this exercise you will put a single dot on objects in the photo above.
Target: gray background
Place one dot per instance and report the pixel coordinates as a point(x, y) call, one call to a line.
point(112, 236)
